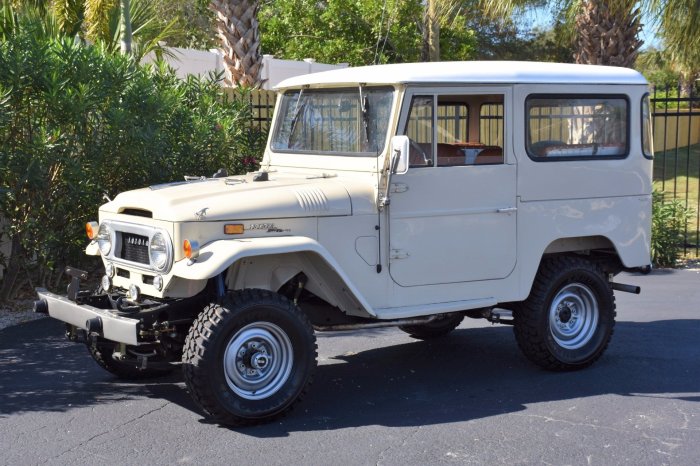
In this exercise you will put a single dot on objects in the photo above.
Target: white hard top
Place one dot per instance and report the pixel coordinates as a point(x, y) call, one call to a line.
point(472, 72)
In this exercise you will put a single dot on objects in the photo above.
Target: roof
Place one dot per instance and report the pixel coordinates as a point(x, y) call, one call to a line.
point(501, 72)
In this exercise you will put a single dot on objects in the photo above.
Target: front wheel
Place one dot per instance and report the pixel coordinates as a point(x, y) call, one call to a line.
point(567, 321)
point(249, 358)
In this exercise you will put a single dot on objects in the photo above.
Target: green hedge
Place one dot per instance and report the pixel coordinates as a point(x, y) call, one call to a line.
point(77, 123)
point(669, 223)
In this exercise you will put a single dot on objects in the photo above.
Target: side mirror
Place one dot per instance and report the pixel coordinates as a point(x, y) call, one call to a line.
point(400, 147)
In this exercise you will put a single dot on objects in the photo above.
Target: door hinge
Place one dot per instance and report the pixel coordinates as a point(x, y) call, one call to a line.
point(507, 210)
point(398, 254)
point(399, 188)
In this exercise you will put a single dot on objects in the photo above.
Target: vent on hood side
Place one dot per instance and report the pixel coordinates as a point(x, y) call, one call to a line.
point(136, 212)
point(312, 199)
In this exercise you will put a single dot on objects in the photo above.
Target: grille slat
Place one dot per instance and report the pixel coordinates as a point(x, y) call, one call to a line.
point(134, 248)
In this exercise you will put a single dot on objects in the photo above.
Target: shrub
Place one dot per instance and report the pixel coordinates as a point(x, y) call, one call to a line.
point(77, 122)
point(668, 225)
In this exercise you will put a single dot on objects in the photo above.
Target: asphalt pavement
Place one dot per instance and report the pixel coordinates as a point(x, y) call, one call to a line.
point(380, 397)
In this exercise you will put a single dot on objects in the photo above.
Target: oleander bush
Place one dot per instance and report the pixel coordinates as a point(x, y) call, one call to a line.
point(669, 220)
point(78, 123)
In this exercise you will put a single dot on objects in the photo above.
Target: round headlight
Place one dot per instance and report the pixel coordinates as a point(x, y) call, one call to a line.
point(104, 239)
point(158, 251)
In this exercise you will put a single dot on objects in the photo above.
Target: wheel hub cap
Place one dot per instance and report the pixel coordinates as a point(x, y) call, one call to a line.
point(258, 360)
point(573, 316)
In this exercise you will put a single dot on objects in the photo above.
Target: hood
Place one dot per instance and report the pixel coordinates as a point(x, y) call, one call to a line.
point(235, 198)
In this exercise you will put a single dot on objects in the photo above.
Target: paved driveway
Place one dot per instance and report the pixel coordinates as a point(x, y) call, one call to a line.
point(382, 398)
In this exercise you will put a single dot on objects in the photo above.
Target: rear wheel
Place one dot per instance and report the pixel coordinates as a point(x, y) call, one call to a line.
point(434, 329)
point(249, 358)
point(567, 321)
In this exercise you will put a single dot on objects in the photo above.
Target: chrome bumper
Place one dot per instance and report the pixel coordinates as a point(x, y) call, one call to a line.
point(113, 327)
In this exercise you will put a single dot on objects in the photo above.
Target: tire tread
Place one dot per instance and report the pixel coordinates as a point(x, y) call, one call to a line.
point(528, 332)
point(199, 340)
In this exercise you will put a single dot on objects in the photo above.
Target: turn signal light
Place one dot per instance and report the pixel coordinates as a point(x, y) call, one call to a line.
point(91, 229)
point(234, 229)
point(191, 249)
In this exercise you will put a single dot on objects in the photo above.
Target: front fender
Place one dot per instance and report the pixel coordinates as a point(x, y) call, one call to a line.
point(217, 256)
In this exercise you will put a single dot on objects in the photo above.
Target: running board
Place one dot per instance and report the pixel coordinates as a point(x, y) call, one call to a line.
point(389, 313)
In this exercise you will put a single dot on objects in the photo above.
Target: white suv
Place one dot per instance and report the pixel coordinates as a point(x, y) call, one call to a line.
point(405, 195)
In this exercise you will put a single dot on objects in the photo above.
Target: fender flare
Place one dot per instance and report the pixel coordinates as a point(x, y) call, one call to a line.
point(217, 256)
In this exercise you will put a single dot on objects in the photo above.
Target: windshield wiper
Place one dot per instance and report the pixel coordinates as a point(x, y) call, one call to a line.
point(297, 112)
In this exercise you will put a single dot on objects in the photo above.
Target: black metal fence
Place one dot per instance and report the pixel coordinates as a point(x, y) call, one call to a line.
point(676, 113)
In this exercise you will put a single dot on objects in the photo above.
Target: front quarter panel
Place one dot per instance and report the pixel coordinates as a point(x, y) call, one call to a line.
point(217, 256)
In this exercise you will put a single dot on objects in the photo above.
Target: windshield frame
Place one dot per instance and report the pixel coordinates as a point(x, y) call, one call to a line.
point(355, 89)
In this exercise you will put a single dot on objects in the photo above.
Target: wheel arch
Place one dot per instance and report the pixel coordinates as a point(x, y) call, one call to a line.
point(269, 263)
point(597, 248)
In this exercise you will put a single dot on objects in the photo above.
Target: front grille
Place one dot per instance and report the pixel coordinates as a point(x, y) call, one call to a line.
point(134, 248)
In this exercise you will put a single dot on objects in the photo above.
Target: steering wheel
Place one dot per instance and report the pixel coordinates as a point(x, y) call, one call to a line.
point(426, 161)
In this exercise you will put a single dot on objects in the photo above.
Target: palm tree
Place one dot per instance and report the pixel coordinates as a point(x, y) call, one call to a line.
point(680, 31)
point(106, 22)
point(607, 33)
point(438, 13)
point(237, 28)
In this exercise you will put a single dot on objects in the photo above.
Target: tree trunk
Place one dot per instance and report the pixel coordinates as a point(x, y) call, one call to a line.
point(126, 27)
point(431, 33)
point(237, 28)
point(12, 271)
point(607, 35)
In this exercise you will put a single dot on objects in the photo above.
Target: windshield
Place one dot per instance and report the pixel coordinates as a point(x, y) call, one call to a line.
point(351, 121)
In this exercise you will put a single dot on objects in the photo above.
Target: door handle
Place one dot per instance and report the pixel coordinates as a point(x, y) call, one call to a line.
point(506, 210)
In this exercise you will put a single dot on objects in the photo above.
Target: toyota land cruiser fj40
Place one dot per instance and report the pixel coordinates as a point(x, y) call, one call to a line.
point(407, 195)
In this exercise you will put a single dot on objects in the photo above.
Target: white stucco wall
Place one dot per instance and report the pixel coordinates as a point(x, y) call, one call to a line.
point(201, 62)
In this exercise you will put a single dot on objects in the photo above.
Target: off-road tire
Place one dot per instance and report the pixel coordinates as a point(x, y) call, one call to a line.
point(567, 321)
point(435, 329)
point(247, 328)
point(101, 351)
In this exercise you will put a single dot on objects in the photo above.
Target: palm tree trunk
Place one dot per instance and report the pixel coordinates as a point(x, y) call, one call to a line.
point(126, 27)
point(237, 28)
point(607, 34)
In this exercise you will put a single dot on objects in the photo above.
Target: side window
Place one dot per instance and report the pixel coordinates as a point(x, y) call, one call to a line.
point(419, 129)
point(491, 124)
point(464, 139)
point(573, 127)
point(647, 130)
point(452, 122)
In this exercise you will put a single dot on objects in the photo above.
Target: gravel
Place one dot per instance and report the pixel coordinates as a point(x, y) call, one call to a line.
point(21, 313)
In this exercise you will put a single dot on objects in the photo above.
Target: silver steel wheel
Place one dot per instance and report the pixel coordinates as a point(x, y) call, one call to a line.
point(573, 316)
point(258, 360)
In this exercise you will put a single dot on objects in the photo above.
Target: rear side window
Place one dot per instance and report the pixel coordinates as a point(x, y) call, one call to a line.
point(576, 127)
point(647, 141)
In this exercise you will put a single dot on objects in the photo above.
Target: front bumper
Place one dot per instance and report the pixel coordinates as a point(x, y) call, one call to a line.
point(111, 326)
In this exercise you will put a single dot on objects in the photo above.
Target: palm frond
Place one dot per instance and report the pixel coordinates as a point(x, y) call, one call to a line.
point(69, 14)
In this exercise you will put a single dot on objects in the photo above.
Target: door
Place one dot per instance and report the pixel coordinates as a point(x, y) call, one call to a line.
point(452, 216)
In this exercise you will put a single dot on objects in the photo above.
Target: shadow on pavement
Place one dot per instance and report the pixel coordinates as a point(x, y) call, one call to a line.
point(470, 374)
